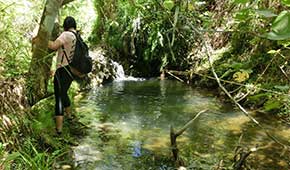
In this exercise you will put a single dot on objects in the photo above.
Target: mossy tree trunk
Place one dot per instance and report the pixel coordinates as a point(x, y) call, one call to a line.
point(41, 61)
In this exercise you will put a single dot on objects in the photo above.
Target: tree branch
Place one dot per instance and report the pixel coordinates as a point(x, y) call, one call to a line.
point(178, 133)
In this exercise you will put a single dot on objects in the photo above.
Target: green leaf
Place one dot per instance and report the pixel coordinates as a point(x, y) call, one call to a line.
point(286, 2)
point(272, 104)
point(266, 13)
point(242, 14)
point(237, 66)
point(275, 36)
point(241, 1)
point(281, 23)
point(229, 71)
point(280, 27)
point(168, 4)
point(282, 88)
point(259, 97)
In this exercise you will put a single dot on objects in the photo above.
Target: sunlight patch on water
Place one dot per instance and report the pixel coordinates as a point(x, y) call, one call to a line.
point(86, 153)
point(233, 124)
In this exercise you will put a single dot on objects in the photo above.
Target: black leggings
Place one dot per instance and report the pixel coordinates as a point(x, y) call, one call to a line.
point(62, 81)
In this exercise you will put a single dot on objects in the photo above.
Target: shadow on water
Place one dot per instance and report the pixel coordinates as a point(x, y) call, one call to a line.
point(129, 129)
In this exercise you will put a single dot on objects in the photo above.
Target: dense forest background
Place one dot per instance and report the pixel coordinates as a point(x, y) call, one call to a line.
point(247, 41)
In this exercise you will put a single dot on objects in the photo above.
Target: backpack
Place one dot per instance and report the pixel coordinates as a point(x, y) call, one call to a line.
point(81, 61)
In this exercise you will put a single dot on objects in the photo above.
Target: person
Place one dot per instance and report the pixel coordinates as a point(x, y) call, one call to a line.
point(63, 76)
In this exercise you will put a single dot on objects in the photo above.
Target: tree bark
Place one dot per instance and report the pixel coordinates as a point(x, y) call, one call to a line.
point(41, 61)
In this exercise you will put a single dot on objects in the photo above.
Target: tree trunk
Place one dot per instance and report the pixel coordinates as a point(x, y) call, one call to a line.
point(41, 61)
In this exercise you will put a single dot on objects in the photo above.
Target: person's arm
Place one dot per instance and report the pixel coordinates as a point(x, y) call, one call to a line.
point(54, 45)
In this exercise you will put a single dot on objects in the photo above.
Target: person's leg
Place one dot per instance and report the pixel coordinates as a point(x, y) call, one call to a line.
point(58, 124)
point(67, 77)
point(62, 82)
point(58, 102)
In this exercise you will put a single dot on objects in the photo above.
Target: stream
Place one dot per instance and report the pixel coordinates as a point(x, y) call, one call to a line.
point(129, 125)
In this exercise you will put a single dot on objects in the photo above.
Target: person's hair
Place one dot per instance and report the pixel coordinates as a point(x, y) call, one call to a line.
point(69, 22)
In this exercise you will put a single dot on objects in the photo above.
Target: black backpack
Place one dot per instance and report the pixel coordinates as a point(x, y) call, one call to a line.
point(81, 61)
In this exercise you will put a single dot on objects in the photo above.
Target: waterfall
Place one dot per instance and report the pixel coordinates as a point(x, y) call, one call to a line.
point(120, 74)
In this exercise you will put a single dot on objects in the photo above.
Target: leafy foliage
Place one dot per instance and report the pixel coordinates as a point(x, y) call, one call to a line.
point(147, 33)
point(16, 25)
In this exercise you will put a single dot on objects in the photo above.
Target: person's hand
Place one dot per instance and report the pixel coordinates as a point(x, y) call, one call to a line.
point(35, 40)
point(51, 74)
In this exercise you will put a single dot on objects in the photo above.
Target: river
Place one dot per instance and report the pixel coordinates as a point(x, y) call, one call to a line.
point(129, 125)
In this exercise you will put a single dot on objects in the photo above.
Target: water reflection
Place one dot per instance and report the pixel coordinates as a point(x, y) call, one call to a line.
point(130, 129)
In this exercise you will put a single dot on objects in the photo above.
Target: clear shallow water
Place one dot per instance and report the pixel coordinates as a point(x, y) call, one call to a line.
point(130, 123)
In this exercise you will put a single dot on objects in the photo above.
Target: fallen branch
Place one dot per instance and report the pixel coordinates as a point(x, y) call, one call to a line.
point(175, 76)
point(187, 73)
point(174, 135)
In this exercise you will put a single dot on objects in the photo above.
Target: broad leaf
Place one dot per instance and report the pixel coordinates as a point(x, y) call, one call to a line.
point(275, 36)
point(281, 23)
point(168, 4)
point(280, 27)
point(266, 13)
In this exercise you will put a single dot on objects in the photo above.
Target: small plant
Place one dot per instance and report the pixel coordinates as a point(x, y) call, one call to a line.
point(31, 158)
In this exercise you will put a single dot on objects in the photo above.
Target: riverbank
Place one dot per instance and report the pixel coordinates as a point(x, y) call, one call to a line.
point(28, 138)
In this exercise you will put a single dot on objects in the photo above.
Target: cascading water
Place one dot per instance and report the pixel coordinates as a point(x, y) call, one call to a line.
point(120, 74)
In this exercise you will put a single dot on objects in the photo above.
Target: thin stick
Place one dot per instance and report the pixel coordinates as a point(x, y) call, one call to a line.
point(174, 135)
point(281, 68)
point(178, 133)
point(175, 76)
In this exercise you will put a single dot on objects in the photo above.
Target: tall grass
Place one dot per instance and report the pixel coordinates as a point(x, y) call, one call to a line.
point(30, 158)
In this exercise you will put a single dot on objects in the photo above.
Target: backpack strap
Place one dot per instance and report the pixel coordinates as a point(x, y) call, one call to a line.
point(63, 49)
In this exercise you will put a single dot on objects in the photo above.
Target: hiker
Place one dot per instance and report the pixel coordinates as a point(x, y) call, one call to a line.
point(63, 77)
point(72, 63)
